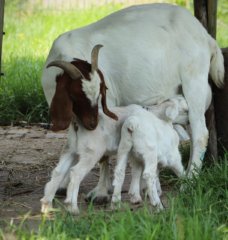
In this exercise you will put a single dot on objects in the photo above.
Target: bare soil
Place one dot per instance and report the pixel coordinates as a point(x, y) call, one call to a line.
point(27, 157)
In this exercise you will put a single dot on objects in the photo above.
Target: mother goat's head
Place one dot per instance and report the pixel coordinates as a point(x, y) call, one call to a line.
point(77, 92)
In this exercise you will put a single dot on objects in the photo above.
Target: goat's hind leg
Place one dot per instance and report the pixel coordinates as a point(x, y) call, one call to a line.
point(150, 176)
point(136, 173)
point(58, 175)
point(119, 175)
point(198, 83)
point(122, 158)
point(158, 184)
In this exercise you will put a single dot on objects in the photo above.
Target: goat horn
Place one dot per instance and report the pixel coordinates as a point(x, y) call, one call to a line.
point(69, 68)
point(94, 57)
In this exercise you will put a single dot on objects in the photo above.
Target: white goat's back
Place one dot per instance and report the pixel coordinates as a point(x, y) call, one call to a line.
point(139, 51)
point(147, 133)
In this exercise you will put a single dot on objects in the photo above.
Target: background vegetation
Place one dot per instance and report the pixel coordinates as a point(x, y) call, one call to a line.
point(30, 31)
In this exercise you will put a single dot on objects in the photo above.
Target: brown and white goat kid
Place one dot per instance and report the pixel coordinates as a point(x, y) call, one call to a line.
point(86, 148)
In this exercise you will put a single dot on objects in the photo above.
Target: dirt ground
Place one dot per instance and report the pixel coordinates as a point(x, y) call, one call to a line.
point(27, 157)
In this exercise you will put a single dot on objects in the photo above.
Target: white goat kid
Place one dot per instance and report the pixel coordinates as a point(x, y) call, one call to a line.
point(149, 51)
point(85, 149)
point(150, 141)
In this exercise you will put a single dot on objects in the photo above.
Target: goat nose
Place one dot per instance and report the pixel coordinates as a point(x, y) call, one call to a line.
point(93, 124)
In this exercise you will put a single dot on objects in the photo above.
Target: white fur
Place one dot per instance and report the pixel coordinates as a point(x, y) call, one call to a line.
point(92, 88)
point(149, 51)
point(174, 109)
point(150, 141)
point(182, 132)
point(86, 148)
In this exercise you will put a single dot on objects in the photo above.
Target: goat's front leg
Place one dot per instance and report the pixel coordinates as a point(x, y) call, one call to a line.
point(77, 174)
point(176, 163)
point(58, 174)
point(124, 148)
point(100, 193)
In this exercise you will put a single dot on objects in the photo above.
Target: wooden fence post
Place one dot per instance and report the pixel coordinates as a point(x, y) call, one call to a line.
point(210, 115)
point(200, 11)
point(2, 3)
point(206, 12)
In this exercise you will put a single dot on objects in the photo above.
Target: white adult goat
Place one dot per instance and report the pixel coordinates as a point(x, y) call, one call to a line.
point(150, 50)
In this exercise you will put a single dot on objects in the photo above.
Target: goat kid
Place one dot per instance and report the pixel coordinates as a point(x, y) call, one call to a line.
point(86, 148)
point(150, 141)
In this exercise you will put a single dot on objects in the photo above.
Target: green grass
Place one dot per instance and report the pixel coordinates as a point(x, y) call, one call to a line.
point(29, 35)
point(200, 212)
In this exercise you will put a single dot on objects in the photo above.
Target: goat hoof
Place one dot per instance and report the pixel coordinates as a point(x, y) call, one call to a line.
point(115, 205)
point(73, 209)
point(100, 199)
point(159, 193)
point(116, 202)
point(46, 206)
point(135, 199)
point(159, 207)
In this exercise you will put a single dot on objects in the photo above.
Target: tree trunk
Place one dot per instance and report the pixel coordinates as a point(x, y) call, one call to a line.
point(205, 11)
point(221, 107)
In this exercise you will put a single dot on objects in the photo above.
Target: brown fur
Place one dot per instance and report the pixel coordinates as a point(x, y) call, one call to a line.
point(103, 89)
point(70, 99)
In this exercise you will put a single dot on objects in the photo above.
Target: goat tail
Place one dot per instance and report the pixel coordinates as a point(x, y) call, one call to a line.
point(131, 124)
point(217, 70)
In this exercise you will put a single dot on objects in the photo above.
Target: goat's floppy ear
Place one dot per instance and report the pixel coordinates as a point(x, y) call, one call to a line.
point(104, 104)
point(61, 109)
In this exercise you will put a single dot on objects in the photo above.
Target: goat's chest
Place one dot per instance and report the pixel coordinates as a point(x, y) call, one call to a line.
point(111, 142)
point(89, 141)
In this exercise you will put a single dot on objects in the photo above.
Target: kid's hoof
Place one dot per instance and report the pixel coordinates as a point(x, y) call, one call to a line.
point(46, 206)
point(135, 199)
point(97, 199)
point(73, 209)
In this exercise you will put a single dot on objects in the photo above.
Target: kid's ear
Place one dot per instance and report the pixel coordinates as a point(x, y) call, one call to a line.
point(172, 112)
